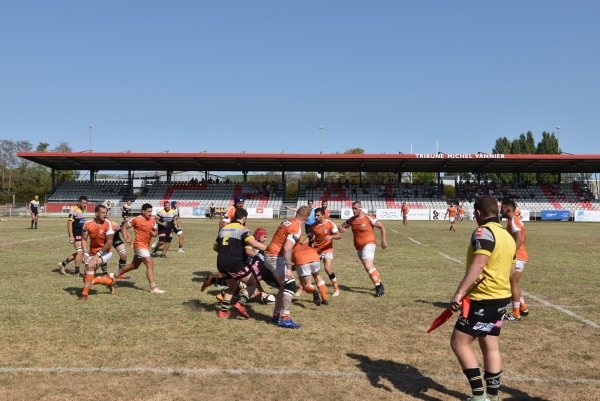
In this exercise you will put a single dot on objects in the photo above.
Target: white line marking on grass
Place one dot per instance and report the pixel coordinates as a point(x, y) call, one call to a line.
point(546, 303)
point(35, 239)
point(448, 257)
point(395, 231)
point(414, 241)
point(560, 308)
point(274, 372)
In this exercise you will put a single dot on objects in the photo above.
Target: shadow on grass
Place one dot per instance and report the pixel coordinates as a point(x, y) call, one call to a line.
point(517, 395)
point(442, 305)
point(198, 306)
point(360, 290)
point(405, 378)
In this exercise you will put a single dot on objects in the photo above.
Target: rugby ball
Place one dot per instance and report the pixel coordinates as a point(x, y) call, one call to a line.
point(267, 298)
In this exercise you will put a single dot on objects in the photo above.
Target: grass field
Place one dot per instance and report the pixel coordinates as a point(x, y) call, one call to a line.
point(140, 346)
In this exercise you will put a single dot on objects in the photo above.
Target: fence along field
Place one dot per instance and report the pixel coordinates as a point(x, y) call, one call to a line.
point(135, 345)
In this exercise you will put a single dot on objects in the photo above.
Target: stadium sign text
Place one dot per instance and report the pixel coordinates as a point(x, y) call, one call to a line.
point(459, 156)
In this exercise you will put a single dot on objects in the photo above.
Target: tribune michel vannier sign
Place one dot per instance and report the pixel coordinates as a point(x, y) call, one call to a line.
point(459, 156)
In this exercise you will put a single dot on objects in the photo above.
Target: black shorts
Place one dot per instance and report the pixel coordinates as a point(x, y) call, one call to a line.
point(484, 318)
point(236, 274)
point(125, 215)
point(77, 234)
point(34, 212)
point(262, 272)
point(165, 236)
point(117, 242)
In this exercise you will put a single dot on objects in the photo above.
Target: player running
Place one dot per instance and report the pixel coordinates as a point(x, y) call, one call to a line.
point(452, 212)
point(165, 218)
point(517, 230)
point(365, 243)
point(404, 214)
point(177, 225)
point(307, 263)
point(145, 228)
point(126, 211)
point(100, 233)
point(279, 261)
point(461, 214)
point(33, 207)
point(323, 232)
point(75, 224)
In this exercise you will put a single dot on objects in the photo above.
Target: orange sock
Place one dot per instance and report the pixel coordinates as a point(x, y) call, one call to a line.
point(322, 290)
point(87, 282)
point(309, 288)
point(523, 306)
point(102, 280)
point(374, 276)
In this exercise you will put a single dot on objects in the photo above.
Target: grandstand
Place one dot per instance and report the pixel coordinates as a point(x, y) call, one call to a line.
point(383, 196)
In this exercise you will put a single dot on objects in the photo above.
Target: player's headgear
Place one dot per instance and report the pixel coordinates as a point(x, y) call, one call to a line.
point(239, 198)
point(259, 232)
point(173, 203)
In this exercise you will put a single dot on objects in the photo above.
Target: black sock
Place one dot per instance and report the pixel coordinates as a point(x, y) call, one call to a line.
point(105, 268)
point(122, 262)
point(225, 305)
point(243, 299)
point(475, 380)
point(492, 382)
point(76, 269)
point(332, 276)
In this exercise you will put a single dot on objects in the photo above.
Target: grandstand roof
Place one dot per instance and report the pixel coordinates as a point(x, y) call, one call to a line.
point(484, 163)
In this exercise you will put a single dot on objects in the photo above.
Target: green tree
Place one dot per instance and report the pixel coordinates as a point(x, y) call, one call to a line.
point(548, 145)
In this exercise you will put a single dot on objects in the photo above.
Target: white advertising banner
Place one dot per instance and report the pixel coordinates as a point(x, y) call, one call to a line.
point(260, 212)
point(346, 213)
point(188, 212)
point(525, 215)
point(587, 215)
point(436, 214)
point(396, 214)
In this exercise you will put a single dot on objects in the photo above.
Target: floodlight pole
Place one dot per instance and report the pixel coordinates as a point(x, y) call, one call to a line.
point(91, 126)
point(320, 139)
point(558, 128)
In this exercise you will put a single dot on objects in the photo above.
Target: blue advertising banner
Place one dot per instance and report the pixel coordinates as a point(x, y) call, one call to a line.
point(555, 215)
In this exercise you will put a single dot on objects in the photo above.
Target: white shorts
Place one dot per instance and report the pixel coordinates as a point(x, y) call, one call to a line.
point(142, 253)
point(308, 269)
point(367, 252)
point(105, 258)
point(452, 219)
point(520, 266)
point(326, 255)
point(276, 264)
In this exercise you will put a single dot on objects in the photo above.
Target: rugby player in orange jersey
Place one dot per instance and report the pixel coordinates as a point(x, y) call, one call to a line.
point(323, 232)
point(307, 263)
point(228, 216)
point(100, 233)
point(461, 213)
point(325, 210)
point(452, 212)
point(517, 230)
point(279, 261)
point(404, 213)
point(365, 243)
point(145, 227)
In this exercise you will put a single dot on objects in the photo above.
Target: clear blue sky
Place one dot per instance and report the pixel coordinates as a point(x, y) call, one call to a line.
point(262, 76)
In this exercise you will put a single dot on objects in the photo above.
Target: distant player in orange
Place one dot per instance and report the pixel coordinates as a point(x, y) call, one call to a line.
point(516, 228)
point(279, 261)
point(323, 232)
point(307, 263)
point(365, 243)
point(404, 213)
point(100, 233)
point(145, 228)
point(452, 212)
point(461, 213)
point(325, 210)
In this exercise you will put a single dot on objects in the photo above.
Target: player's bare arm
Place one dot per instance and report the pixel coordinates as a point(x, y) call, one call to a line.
point(383, 234)
point(125, 233)
point(256, 244)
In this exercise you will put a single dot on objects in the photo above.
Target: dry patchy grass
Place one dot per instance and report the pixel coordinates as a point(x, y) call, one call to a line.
point(358, 347)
